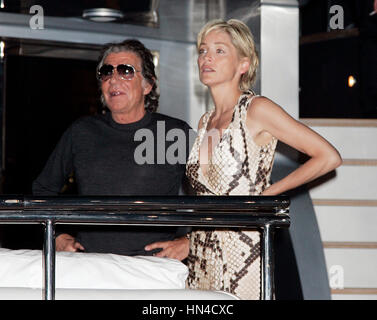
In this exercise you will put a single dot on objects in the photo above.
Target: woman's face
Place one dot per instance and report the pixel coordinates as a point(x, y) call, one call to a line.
point(218, 60)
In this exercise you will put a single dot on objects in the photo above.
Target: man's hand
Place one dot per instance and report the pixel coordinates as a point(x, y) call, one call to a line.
point(65, 242)
point(176, 249)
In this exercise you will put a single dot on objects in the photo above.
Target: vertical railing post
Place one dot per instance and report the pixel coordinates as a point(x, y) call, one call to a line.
point(267, 264)
point(49, 260)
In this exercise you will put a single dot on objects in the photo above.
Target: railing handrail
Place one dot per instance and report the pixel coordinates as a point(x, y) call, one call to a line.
point(223, 203)
point(263, 212)
point(237, 211)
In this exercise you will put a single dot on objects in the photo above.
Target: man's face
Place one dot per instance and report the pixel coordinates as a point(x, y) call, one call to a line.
point(125, 96)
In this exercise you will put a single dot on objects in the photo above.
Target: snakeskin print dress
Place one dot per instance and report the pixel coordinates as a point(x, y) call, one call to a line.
point(229, 259)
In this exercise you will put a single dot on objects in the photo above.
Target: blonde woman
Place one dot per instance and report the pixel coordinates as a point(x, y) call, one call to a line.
point(233, 155)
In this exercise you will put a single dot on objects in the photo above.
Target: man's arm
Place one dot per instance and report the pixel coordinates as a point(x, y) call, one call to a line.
point(51, 181)
point(57, 169)
point(175, 249)
point(179, 247)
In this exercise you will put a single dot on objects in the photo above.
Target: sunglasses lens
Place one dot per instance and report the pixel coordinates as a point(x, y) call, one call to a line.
point(105, 72)
point(126, 71)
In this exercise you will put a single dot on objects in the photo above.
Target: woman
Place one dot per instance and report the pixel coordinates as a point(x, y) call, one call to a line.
point(233, 155)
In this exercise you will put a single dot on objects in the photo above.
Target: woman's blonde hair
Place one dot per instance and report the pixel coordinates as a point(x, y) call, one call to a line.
point(242, 40)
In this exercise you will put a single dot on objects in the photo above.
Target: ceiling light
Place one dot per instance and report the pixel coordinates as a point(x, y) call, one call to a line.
point(102, 14)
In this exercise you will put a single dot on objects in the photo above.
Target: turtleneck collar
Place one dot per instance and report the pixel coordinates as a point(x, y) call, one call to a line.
point(143, 122)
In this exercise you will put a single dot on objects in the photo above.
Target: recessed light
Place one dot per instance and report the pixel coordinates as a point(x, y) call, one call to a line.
point(102, 14)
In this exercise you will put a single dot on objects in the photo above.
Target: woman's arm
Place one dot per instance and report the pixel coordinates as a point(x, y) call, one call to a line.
point(266, 117)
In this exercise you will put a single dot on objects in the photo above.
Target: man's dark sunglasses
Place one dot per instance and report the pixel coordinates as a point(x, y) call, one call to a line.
point(125, 71)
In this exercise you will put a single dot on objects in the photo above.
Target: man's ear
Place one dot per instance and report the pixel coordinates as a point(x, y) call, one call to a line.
point(147, 87)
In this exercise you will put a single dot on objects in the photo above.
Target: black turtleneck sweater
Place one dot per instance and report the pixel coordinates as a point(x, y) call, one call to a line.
point(100, 153)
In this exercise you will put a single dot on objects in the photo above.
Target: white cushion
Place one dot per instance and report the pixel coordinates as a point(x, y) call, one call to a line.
point(23, 268)
point(115, 294)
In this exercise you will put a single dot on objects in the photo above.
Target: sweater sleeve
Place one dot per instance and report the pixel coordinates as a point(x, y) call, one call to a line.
point(57, 169)
point(185, 188)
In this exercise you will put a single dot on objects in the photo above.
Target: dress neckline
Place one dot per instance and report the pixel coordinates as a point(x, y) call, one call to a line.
point(204, 131)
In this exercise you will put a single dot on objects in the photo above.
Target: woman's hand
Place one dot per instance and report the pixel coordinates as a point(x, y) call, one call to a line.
point(65, 242)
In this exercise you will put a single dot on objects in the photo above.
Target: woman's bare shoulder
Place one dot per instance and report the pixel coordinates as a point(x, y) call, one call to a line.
point(261, 106)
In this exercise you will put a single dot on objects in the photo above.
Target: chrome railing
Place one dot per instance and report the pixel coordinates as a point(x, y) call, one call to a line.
point(263, 213)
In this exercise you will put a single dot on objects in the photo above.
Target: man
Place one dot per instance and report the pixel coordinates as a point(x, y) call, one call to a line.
point(102, 152)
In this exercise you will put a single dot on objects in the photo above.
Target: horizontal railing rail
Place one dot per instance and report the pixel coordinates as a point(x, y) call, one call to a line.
point(252, 212)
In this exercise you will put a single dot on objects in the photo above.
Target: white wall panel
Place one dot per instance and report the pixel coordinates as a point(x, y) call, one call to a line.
point(357, 265)
point(279, 72)
point(352, 142)
point(350, 182)
point(340, 223)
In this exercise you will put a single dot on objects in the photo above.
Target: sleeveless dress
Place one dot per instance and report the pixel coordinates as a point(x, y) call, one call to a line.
point(229, 259)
